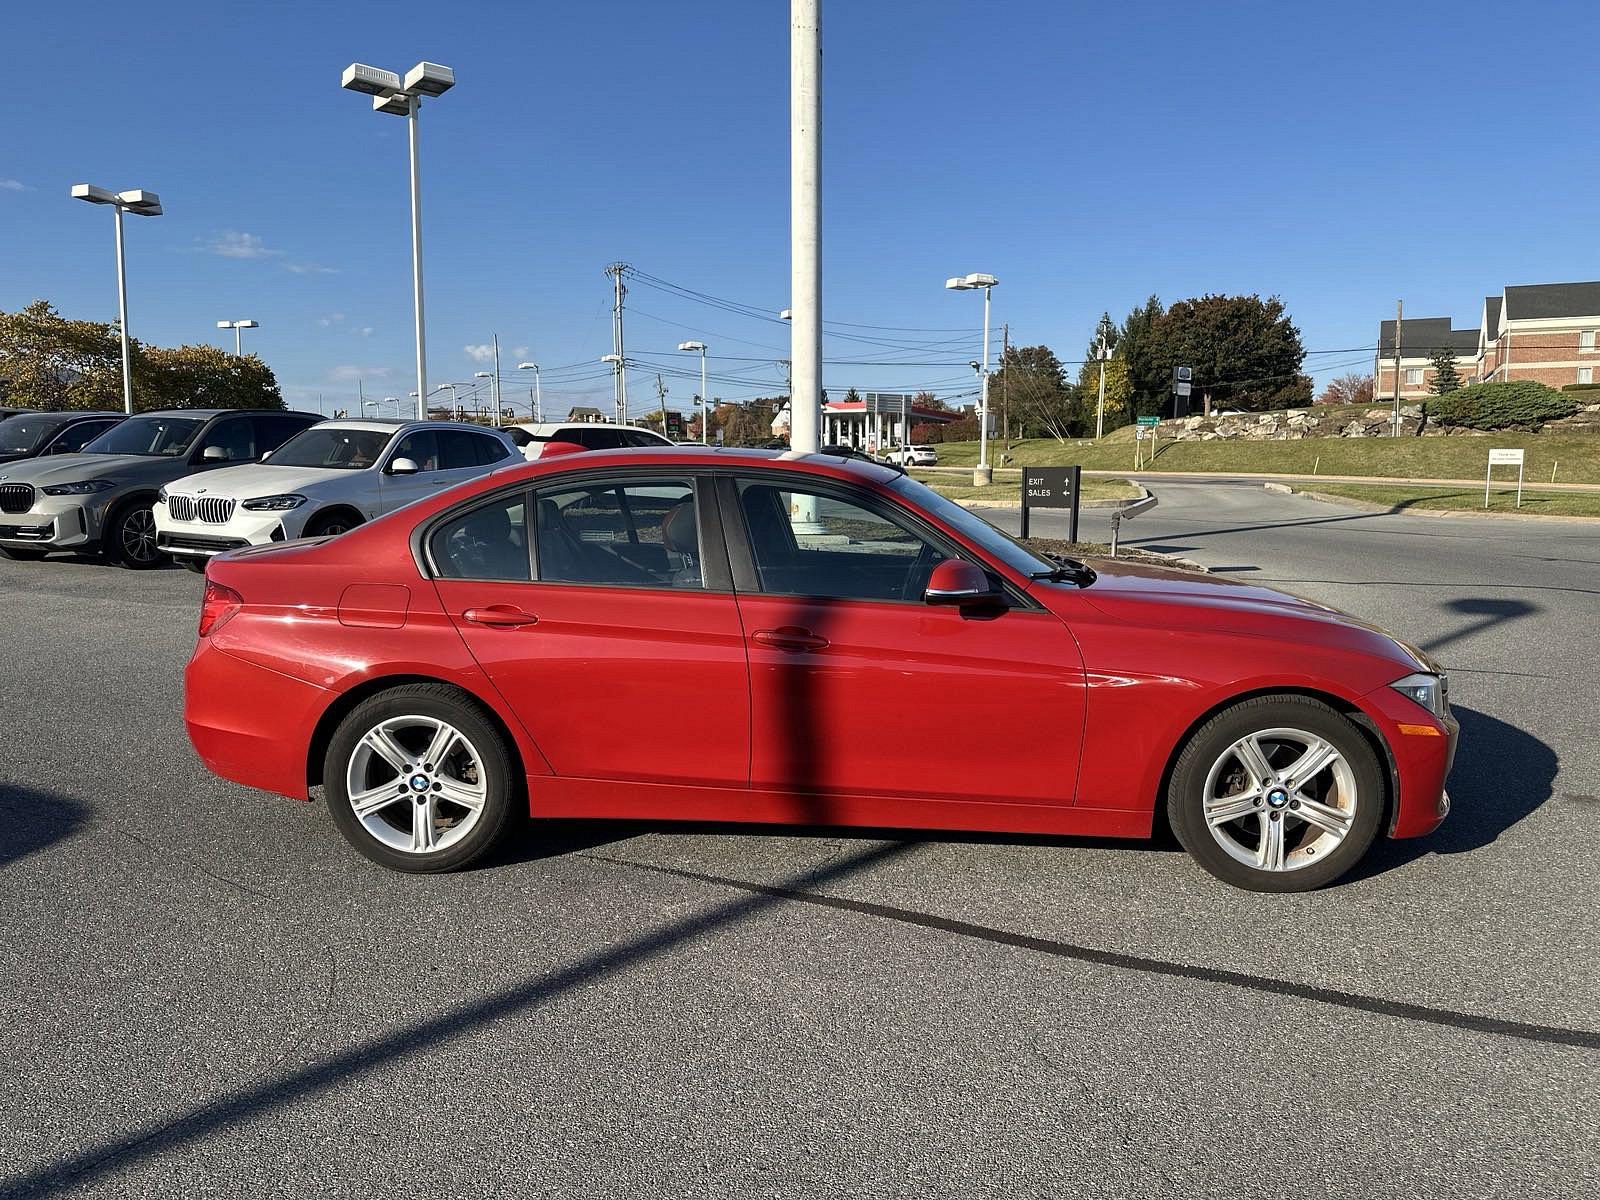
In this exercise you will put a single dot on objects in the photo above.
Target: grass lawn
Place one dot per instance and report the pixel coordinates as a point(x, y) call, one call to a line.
point(1576, 457)
point(1549, 504)
point(1009, 491)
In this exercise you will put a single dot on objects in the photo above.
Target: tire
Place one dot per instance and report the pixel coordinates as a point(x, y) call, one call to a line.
point(129, 538)
point(23, 555)
point(330, 524)
point(428, 826)
point(1247, 816)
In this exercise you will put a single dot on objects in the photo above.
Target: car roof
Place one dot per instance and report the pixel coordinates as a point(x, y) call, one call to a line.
point(681, 457)
point(61, 415)
point(206, 414)
point(394, 424)
point(554, 426)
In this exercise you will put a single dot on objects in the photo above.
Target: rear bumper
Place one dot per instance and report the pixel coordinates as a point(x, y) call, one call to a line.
point(249, 724)
point(1421, 749)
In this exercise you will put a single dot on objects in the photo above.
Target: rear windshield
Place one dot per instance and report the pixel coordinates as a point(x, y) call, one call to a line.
point(154, 437)
point(335, 449)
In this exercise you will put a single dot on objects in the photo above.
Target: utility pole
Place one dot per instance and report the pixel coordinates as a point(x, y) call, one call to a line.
point(805, 222)
point(1100, 411)
point(1005, 382)
point(495, 390)
point(619, 376)
point(661, 400)
point(1399, 313)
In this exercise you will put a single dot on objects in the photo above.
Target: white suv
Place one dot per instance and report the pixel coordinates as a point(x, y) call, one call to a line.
point(324, 480)
point(913, 456)
point(593, 435)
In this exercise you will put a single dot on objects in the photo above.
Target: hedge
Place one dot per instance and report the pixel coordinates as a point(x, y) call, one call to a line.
point(1521, 404)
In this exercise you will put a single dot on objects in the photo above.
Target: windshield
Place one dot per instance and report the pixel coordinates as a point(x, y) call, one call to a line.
point(975, 529)
point(335, 449)
point(154, 437)
point(19, 435)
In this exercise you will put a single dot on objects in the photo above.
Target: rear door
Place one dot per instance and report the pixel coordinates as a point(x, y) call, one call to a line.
point(612, 630)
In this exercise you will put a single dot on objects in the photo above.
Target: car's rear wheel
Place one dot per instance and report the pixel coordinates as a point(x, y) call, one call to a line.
point(1277, 794)
point(130, 537)
point(418, 779)
point(23, 555)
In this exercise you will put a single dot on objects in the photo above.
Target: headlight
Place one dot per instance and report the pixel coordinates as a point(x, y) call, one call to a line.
point(274, 503)
point(1430, 691)
point(161, 493)
point(83, 488)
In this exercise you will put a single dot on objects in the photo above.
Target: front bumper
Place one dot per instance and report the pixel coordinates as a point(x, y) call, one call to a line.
point(203, 539)
point(53, 523)
point(1421, 748)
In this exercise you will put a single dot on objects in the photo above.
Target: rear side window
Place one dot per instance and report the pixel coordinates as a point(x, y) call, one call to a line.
point(639, 438)
point(593, 438)
point(273, 430)
point(458, 449)
point(490, 542)
point(491, 450)
point(76, 437)
point(637, 534)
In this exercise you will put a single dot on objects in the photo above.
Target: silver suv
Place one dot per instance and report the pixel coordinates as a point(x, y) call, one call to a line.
point(102, 498)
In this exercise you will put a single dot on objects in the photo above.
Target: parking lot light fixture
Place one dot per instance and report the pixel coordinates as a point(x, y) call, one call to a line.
point(141, 204)
point(967, 283)
point(705, 401)
point(538, 392)
point(238, 340)
point(403, 98)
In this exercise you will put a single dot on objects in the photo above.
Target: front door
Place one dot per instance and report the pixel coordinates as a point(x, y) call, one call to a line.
point(615, 642)
point(859, 687)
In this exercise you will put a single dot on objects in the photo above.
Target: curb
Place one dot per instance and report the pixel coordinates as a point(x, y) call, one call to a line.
point(1371, 506)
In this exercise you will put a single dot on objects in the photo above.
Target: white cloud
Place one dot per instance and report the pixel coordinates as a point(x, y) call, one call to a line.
point(330, 319)
point(519, 352)
point(483, 352)
point(365, 331)
point(12, 185)
point(232, 244)
point(349, 373)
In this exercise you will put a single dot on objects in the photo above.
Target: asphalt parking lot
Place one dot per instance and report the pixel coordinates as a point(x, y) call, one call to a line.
point(206, 992)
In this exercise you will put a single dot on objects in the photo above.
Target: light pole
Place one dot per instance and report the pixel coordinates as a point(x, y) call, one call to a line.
point(617, 367)
point(390, 95)
point(394, 400)
point(1100, 411)
point(805, 223)
point(141, 204)
point(491, 379)
point(538, 394)
point(238, 338)
point(705, 400)
point(966, 283)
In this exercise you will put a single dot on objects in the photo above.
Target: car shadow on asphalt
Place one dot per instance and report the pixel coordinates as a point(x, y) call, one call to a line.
point(31, 820)
point(1501, 775)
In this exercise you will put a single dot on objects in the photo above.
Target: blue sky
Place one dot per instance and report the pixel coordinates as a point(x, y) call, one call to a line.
point(1340, 156)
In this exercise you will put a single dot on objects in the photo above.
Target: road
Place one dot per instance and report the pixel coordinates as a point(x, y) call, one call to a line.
point(205, 992)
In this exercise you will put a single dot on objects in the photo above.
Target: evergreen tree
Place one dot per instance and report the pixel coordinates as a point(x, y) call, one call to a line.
point(1445, 379)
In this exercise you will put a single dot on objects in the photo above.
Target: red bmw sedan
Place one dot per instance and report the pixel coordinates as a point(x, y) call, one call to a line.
point(744, 636)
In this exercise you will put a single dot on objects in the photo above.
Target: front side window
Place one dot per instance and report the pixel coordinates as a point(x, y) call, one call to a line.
point(76, 437)
point(19, 435)
point(633, 534)
point(236, 437)
point(490, 542)
point(155, 437)
point(421, 447)
point(817, 544)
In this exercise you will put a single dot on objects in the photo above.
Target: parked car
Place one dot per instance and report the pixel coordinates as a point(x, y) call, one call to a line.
point(36, 434)
point(101, 499)
point(531, 439)
point(451, 662)
point(840, 450)
point(913, 456)
point(324, 480)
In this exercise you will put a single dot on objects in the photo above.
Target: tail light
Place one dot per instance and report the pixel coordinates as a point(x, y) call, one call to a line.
point(218, 605)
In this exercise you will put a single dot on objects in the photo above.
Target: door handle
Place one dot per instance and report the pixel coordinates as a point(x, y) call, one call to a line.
point(790, 637)
point(500, 616)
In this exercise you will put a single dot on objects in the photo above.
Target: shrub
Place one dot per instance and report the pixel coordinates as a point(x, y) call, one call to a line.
point(1521, 404)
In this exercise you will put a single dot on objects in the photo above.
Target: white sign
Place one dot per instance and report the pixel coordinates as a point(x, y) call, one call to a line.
point(1505, 458)
point(1140, 433)
point(1183, 389)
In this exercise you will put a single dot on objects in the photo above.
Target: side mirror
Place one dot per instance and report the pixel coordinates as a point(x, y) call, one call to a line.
point(403, 466)
point(214, 454)
point(956, 581)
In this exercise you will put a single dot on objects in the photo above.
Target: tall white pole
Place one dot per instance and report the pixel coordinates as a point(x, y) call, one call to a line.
point(416, 263)
point(238, 341)
point(984, 474)
point(705, 401)
point(1100, 410)
point(122, 315)
point(805, 232)
point(495, 390)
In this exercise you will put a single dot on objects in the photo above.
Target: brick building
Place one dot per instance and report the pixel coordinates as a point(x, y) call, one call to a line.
point(1546, 332)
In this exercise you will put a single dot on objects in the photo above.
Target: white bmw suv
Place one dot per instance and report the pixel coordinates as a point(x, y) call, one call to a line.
point(324, 480)
point(532, 438)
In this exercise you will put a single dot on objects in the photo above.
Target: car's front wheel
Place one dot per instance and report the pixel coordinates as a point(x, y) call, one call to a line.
point(130, 537)
point(418, 779)
point(1277, 794)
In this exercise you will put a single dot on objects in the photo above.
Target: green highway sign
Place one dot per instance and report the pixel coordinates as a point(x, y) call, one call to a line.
point(1149, 420)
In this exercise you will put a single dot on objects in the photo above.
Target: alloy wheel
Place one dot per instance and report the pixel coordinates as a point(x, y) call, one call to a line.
point(139, 536)
point(1280, 799)
point(416, 784)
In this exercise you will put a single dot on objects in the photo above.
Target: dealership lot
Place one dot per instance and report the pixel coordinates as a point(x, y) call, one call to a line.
point(204, 984)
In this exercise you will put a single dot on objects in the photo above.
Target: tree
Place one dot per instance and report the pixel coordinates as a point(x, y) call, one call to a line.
point(206, 377)
point(929, 400)
point(1354, 388)
point(1445, 379)
point(1245, 351)
point(852, 396)
point(1149, 381)
point(1034, 383)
